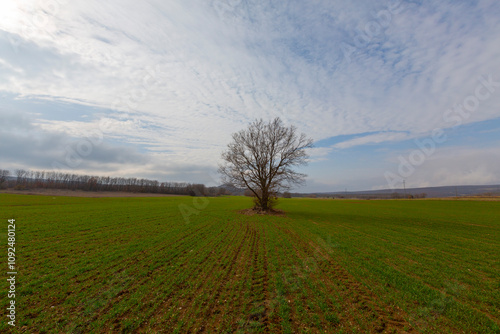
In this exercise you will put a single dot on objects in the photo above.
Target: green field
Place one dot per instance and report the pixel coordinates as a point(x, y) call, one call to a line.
point(126, 265)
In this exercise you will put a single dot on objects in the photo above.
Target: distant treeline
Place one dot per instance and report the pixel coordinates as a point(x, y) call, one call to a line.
point(28, 179)
point(394, 195)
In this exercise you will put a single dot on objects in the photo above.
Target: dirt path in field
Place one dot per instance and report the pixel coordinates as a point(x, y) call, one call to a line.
point(258, 310)
point(227, 289)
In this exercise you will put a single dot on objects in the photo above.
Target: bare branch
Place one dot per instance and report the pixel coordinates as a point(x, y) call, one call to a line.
point(261, 158)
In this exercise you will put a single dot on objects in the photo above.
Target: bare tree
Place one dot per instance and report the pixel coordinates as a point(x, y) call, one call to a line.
point(4, 174)
point(262, 157)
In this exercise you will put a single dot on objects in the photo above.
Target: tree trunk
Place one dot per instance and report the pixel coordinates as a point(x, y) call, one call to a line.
point(265, 201)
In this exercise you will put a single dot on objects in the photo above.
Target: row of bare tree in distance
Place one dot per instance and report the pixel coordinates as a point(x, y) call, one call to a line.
point(31, 179)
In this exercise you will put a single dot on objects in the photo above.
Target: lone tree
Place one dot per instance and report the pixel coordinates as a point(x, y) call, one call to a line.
point(262, 157)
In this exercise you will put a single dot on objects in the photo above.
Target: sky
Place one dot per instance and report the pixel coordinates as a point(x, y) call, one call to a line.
point(390, 91)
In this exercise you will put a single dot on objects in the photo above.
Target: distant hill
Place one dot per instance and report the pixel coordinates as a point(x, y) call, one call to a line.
point(446, 191)
point(232, 189)
point(430, 192)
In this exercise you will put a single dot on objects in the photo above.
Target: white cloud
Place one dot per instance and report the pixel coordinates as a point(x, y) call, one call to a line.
point(458, 166)
point(372, 139)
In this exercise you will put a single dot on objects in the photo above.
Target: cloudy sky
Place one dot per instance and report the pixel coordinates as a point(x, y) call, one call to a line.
point(388, 90)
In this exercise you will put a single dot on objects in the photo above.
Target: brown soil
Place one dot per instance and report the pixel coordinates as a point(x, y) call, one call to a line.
point(465, 198)
point(253, 211)
point(81, 193)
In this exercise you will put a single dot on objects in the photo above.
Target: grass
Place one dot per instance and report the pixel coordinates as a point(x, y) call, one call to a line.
point(124, 265)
